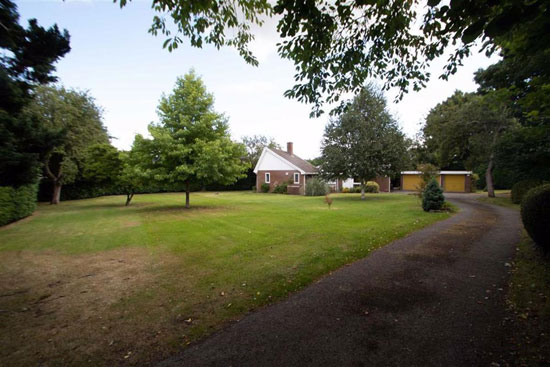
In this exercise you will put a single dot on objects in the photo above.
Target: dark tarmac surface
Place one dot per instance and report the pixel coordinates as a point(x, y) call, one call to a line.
point(434, 298)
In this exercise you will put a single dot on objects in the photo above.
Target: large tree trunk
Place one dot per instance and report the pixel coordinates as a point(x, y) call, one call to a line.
point(489, 177)
point(56, 195)
point(187, 195)
point(362, 189)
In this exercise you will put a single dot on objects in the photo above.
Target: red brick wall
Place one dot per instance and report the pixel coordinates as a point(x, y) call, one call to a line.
point(384, 183)
point(278, 177)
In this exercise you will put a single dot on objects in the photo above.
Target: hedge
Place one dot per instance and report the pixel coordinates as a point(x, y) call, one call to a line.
point(17, 203)
point(535, 214)
point(522, 187)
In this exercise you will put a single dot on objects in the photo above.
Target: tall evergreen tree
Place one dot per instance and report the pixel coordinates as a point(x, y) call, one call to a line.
point(27, 59)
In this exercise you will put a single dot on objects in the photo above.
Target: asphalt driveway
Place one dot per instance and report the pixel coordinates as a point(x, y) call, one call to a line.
point(434, 298)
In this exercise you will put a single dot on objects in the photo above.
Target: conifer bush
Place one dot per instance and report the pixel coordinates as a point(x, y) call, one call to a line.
point(432, 196)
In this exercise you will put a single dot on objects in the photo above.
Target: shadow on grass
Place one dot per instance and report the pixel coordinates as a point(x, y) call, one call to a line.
point(357, 197)
point(180, 208)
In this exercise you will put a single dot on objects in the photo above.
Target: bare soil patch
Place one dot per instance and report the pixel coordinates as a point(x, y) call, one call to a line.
point(65, 309)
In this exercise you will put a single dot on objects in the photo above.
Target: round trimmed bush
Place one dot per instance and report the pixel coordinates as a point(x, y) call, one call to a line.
point(432, 197)
point(264, 187)
point(372, 187)
point(535, 214)
point(522, 187)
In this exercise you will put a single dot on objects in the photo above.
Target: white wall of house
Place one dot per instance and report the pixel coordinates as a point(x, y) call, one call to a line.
point(348, 183)
point(270, 161)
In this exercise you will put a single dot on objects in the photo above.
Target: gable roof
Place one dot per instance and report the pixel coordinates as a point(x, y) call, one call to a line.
point(296, 161)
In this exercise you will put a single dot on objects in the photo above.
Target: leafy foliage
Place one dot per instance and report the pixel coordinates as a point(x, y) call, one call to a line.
point(364, 142)
point(337, 45)
point(535, 214)
point(464, 130)
point(254, 146)
point(525, 153)
point(521, 188)
point(281, 188)
point(264, 187)
point(191, 143)
point(17, 203)
point(316, 187)
point(209, 22)
point(27, 59)
point(432, 197)
point(372, 187)
point(75, 115)
point(102, 164)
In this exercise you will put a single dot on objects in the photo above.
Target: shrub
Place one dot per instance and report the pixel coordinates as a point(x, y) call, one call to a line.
point(357, 189)
point(474, 179)
point(253, 188)
point(535, 214)
point(281, 188)
point(521, 188)
point(432, 197)
point(316, 187)
point(372, 187)
point(17, 203)
point(346, 190)
point(264, 187)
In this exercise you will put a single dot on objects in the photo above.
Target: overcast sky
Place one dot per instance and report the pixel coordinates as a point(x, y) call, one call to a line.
point(126, 70)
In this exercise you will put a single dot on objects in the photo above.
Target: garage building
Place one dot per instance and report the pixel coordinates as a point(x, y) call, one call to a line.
point(450, 181)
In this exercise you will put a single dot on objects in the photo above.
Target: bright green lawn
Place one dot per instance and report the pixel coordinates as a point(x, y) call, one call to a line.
point(156, 269)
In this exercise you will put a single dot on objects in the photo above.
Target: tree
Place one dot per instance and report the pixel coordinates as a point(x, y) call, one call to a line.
point(191, 143)
point(337, 45)
point(465, 129)
point(364, 142)
point(78, 118)
point(102, 164)
point(524, 153)
point(27, 59)
point(255, 144)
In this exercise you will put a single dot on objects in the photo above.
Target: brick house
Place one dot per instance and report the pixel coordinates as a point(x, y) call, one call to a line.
point(276, 166)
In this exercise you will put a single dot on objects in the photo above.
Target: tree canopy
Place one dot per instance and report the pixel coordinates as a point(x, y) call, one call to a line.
point(78, 119)
point(464, 130)
point(27, 59)
point(337, 45)
point(191, 143)
point(364, 142)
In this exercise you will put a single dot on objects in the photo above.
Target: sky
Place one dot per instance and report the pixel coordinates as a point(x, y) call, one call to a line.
point(126, 70)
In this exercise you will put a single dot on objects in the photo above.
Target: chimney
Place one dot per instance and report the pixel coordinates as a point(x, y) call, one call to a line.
point(289, 148)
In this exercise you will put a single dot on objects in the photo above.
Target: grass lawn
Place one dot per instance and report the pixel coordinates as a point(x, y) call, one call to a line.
point(92, 282)
point(502, 198)
point(529, 299)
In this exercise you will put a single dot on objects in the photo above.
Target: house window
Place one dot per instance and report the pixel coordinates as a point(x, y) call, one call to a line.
point(296, 178)
point(267, 178)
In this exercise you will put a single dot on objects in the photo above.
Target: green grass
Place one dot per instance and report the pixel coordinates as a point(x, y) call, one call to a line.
point(529, 298)
point(502, 198)
point(179, 274)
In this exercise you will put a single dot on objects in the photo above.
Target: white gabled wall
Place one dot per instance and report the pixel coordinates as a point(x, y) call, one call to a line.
point(270, 161)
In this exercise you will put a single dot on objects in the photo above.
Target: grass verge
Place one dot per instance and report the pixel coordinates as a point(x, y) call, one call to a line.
point(529, 300)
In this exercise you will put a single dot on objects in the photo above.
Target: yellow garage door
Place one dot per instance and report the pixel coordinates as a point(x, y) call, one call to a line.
point(411, 182)
point(454, 183)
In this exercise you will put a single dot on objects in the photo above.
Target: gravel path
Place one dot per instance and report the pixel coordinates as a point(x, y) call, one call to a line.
point(434, 298)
